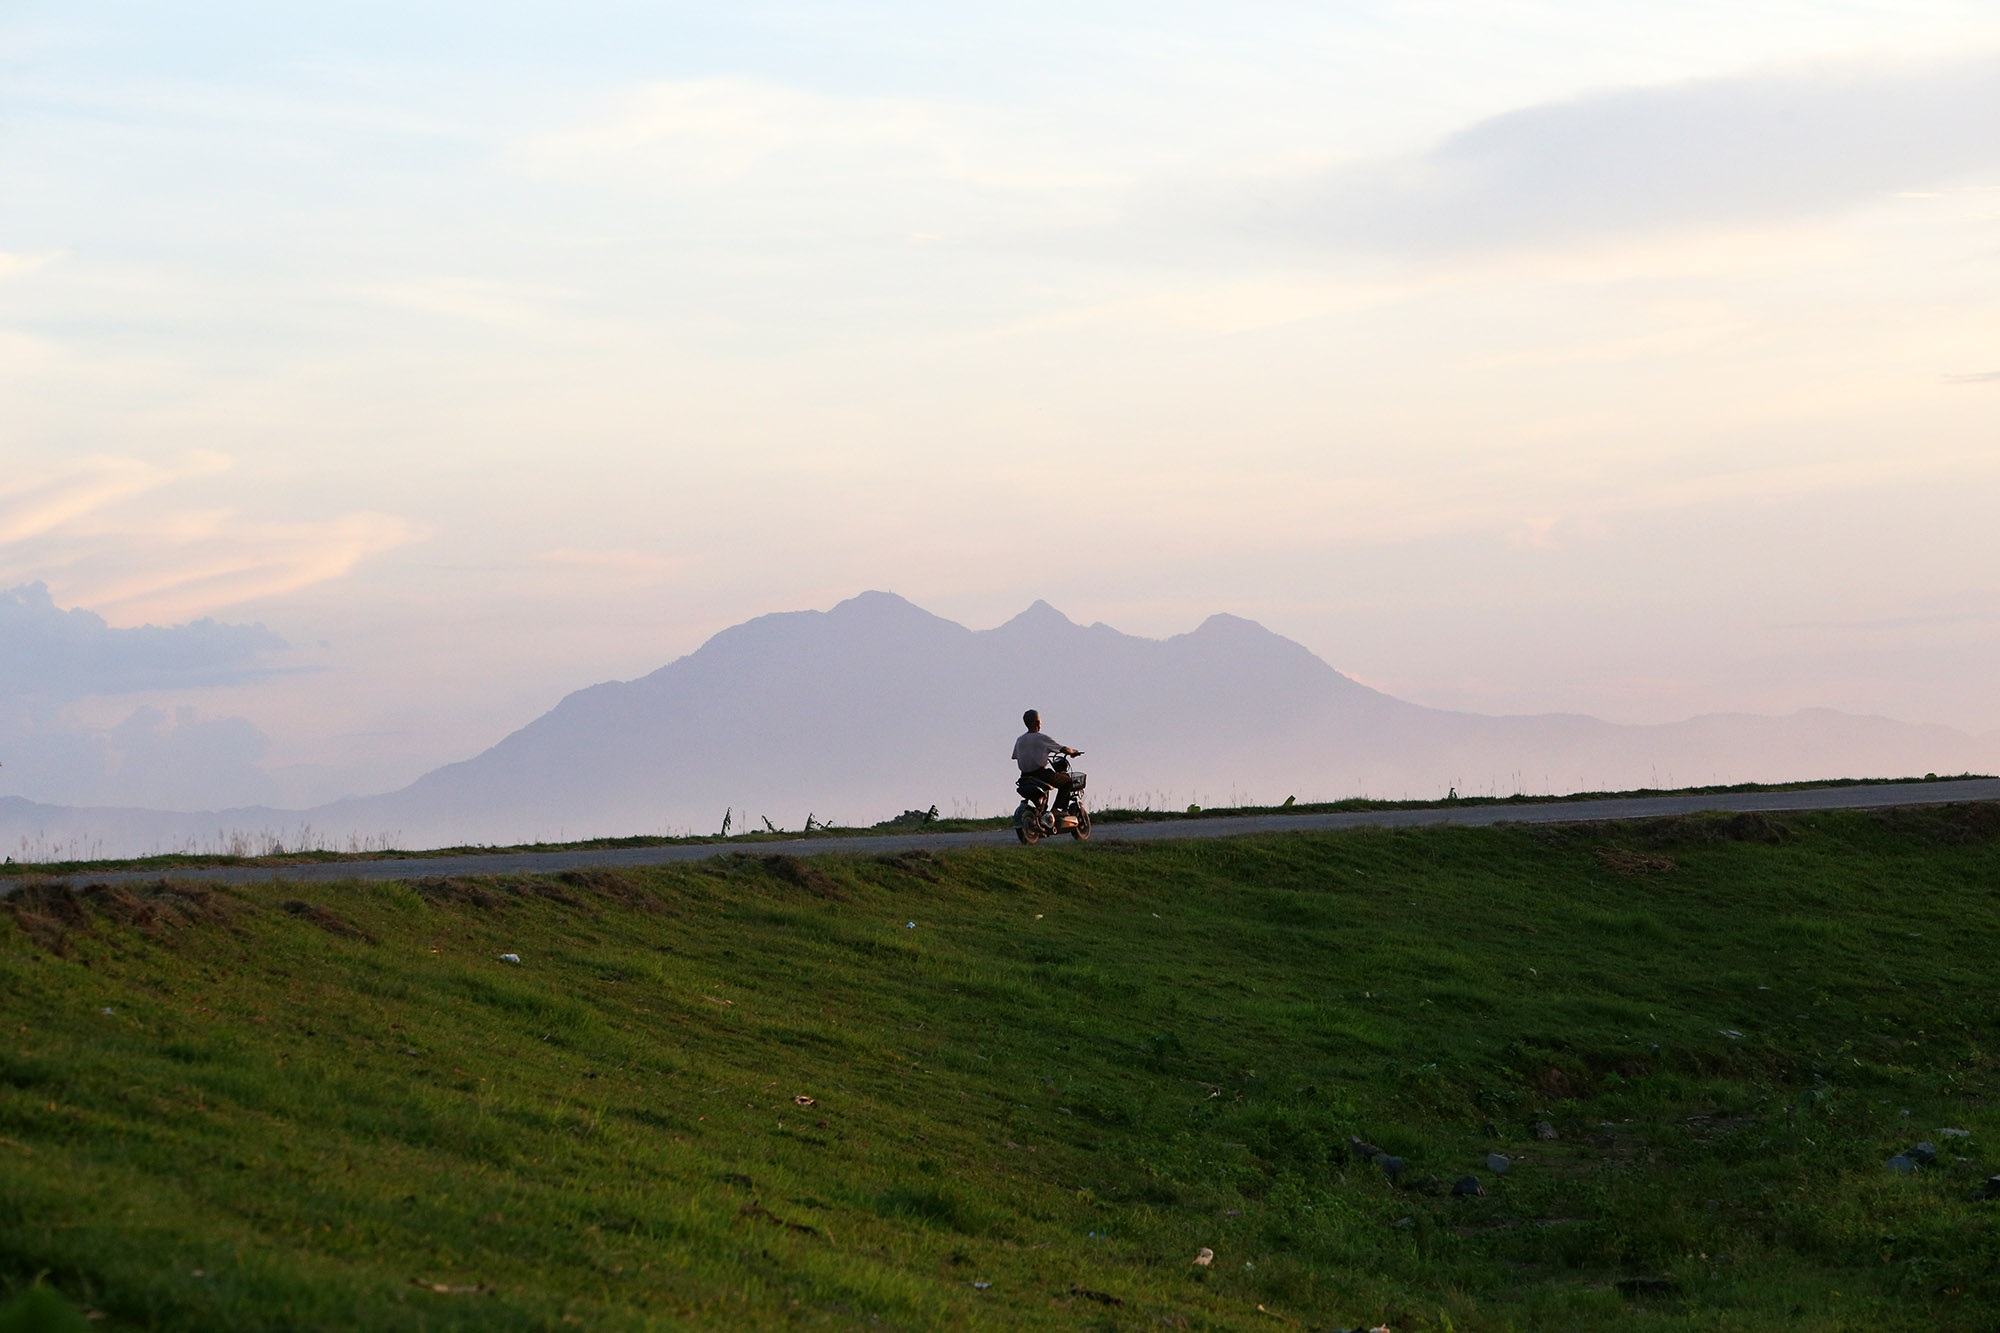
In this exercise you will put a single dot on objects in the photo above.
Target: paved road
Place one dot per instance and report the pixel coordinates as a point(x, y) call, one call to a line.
point(1548, 812)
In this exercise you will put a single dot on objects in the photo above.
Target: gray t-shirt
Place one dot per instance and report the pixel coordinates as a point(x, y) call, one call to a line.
point(1035, 749)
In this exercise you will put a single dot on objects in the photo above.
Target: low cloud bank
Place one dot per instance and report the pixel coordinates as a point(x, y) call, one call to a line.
point(51, 659)
point(49, 653)
point(175, 760)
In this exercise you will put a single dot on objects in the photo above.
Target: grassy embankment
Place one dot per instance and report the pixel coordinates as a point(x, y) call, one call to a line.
point(1042, 1080)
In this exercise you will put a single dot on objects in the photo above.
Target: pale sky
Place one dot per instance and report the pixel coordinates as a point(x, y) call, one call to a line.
point(1636, 359)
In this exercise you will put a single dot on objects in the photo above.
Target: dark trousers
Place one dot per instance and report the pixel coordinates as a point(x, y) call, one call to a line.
point(1062, 782)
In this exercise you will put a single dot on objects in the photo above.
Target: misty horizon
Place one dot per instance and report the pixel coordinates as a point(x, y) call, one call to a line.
point(876, 706)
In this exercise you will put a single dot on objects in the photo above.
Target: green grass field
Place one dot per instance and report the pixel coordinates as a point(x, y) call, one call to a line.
point(1040, 1081)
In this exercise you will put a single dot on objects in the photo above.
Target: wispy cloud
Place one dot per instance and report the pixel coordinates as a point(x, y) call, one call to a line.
point(710, 131)
point(719, 128)
point(1987, 377)
point(36, 505)
point(237, 560)
point(1718, 153)
point(475, 301)
point(1884, 624)
point(105, 530)
point(14, 265)
point(1539, 505)
point(626, 568)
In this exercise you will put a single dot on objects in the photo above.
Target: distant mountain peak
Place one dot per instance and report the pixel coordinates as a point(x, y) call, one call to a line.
point(1224, 631)
point(1224, 623)
point(1040, 616)
point(875, 600)
point(876, 610)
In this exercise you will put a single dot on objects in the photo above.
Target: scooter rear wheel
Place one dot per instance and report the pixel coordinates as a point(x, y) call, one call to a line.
point(1028, 825)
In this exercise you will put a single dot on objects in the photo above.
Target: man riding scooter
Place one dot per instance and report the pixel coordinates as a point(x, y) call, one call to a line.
point(1033, 754)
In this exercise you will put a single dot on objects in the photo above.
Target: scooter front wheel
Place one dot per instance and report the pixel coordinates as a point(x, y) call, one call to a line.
point(1082, 829)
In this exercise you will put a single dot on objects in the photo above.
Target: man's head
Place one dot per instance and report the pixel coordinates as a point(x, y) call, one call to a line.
point(1031, 720)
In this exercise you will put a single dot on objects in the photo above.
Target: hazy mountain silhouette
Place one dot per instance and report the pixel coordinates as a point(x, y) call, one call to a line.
point(875, 706)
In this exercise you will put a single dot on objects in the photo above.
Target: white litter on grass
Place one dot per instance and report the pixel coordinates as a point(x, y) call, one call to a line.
point(1205, 1257)
point(1728, 1032)
point(510, 958)
point(910, 925)
point(105, 1010)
